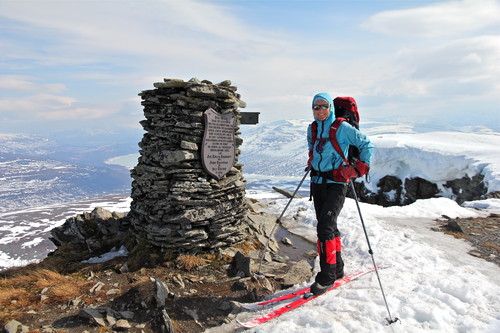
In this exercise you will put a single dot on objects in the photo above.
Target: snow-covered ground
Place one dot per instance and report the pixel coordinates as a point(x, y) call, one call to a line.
point(432, 284)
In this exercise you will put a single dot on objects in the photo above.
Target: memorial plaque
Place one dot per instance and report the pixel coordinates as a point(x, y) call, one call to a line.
point(218, 146)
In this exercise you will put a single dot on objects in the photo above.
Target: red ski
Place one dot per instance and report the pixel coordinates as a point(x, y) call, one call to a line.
point(306, 297)
point(273, 301)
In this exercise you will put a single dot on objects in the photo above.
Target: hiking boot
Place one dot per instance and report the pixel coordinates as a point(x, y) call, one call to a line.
point(318, 289)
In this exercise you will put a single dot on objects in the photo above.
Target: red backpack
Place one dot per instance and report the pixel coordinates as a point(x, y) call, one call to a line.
point(346, 107)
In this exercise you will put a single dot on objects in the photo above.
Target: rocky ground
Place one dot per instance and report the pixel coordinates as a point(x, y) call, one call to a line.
point(149, 291)
point(482, 233)
point(193, 299)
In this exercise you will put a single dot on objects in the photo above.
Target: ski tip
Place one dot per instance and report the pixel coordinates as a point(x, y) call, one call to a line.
point(237, 305)
point(248, 324)
point(251, 307)
point(383, 266)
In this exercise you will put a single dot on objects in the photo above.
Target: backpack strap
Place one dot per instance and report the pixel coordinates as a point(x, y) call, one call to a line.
point(333, 138)
point(314, 132)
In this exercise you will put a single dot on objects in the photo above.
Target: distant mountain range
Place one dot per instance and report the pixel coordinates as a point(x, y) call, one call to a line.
point(277, 149)
point(37, 171)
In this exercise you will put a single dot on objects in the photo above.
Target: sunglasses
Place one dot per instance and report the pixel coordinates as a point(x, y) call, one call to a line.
point(322, 106)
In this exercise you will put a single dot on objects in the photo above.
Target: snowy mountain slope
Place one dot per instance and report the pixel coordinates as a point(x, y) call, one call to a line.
point(25, 144)
point(280, 149)
point(277, 149)
point(27, 181)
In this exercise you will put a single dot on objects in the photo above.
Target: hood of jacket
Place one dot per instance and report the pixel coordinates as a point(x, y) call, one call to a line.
point(331, 116)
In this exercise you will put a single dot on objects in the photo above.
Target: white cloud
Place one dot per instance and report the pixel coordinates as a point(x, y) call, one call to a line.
point(470, 62)
point(25, 83)
point(125, 47)
point(440, 19)
point(181, 30)
point(50, 107)
point(42, 104)
point(73, 113)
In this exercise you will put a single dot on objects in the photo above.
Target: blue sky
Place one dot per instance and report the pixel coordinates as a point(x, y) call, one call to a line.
point(79, 65)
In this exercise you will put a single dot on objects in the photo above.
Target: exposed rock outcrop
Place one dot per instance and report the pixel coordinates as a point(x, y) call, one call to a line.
point(467, 188)
point(98, 231)
point(393, 191)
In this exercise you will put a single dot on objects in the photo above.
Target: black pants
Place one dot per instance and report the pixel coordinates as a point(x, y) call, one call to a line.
point(328, 199)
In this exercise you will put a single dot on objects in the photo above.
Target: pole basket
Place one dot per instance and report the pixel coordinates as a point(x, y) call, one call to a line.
point(391, 321)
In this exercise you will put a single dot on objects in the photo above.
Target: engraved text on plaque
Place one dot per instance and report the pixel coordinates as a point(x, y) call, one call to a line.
point(218, 147)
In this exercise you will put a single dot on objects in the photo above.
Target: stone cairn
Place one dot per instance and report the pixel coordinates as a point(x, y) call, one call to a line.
point(176, 204)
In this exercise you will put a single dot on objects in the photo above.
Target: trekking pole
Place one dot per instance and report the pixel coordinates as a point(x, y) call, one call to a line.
point(389, 320)
point(279, 220)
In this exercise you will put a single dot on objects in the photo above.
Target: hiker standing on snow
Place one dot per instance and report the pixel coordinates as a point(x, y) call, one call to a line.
point(329, 178)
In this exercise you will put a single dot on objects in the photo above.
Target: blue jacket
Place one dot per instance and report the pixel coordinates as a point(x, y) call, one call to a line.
point(328, 159)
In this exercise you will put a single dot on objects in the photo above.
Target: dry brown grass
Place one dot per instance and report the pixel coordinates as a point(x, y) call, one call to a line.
point(189, 262)
point(64, 292)
point(141, 280)
point(38, 279)
point(8, 296)
point(45, 279)
point(493, 246)
point(209, 256)
point(456, 234)
point(246, 247)
point(26, 288)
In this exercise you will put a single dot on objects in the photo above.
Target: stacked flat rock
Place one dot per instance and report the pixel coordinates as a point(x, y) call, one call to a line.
point(176, 204)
